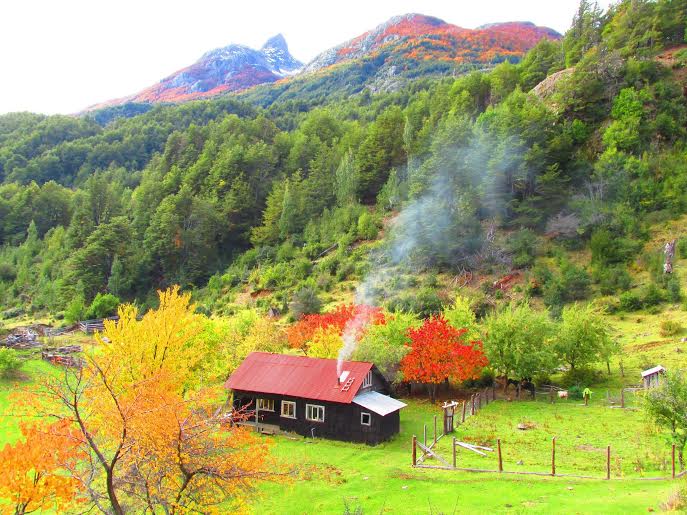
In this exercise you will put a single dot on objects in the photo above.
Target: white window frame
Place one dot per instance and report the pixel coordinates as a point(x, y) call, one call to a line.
point(264, 404)
point(369, 418)
point(367, 381)
point(313, 408)
point(293, 406)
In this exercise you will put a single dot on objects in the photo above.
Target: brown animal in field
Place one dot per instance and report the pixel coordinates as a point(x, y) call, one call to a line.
point(563, 394)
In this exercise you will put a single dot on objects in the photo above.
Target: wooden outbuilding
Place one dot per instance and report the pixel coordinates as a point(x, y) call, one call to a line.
point(652, 377)
point(309, 397)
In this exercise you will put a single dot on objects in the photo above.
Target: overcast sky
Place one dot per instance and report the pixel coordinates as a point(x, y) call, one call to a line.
point(59, 56)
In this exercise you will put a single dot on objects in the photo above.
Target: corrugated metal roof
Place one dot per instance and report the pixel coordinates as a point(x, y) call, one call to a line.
point(298, 376)
point(380, 404)
point(654, 370)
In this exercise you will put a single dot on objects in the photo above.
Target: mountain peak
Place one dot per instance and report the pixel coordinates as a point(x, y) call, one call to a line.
point(277, 42)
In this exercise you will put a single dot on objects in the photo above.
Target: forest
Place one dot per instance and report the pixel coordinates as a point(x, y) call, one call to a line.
point(219, 195)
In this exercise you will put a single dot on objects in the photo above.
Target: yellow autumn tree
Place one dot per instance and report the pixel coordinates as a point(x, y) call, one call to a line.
point(168, 339)
point(326, 343)
point(152, 438)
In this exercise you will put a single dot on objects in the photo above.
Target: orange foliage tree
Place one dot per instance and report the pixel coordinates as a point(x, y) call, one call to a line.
point(438, 352)
point(153, 439)
point(31, 475)
point(302, 334)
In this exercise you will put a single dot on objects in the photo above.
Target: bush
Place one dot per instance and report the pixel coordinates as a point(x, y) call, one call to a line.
point(652, 296)
point(575, 393)
point(305, 302)
point(670, 328)
point(7, 273)
point(76, 310)
point(523, 246)
point(582, 377)
point(103, 305)
point(575, 282)
point(612, 279)
point(673, 292)
point(10, 363)
point(425, 304)
point(630, 301)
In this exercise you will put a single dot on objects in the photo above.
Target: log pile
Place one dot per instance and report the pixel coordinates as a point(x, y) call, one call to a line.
point(63, 356)
point(21, 339)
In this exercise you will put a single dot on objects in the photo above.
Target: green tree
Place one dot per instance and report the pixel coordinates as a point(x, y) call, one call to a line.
point(346, 184)
point(667, 406)
point(517, 341)
point(583, 337)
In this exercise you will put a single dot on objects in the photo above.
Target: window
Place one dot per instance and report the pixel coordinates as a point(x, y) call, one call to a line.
point(266, 404)
point(288, 409)
point(314, 413)
point(365, 419)
point(368, 380)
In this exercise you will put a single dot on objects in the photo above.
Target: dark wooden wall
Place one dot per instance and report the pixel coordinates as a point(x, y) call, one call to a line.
point(341, 421)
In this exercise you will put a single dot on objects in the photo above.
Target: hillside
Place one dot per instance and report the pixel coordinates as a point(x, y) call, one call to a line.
point(420, 37)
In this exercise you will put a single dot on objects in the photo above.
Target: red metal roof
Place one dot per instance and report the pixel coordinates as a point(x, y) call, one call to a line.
point(298, 376)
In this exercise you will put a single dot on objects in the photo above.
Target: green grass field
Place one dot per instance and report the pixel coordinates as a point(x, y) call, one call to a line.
point(381, 480)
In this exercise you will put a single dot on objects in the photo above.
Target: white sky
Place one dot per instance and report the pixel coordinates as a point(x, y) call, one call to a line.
point(59, 56)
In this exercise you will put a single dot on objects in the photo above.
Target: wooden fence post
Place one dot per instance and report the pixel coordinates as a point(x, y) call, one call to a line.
point(551, 394)
point(493, 392)
point(435, 430)
point(608, 462)
point(479, 401)
point(498, 447)
point(424, 434)
point(486, 397)
point(472, 404)
point(454, 452)
point(414, 450)
point(464, 406)
point(673, 460)
point(553, 456)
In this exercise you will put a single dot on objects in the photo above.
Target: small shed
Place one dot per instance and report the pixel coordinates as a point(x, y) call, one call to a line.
point(316, 397)
point(652, 377)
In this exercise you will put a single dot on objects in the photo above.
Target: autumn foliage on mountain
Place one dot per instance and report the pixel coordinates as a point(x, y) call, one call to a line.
point(439, 352)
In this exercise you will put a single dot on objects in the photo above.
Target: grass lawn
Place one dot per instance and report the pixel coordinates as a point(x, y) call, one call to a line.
point(32, 370)
point(380, 479)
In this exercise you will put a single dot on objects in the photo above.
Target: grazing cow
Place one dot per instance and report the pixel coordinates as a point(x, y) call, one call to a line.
point(563, 394)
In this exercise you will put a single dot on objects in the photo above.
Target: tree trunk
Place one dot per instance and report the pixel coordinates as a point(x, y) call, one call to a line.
point(112, 494)
point(432, 392)
point(608, 366)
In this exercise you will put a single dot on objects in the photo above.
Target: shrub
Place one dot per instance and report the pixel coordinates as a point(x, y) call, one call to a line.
point(575, 393)
point(7, 273)
point(522, 245)
point(305, 302)
point(76, 310)
point(612, 279)
point(630, 301)
point(652, 296)
point(103, 305)
point(575, 282)
point(670, 328)
point(367, 228)
point(582, 377)
point(673, 292)
point(10, 363)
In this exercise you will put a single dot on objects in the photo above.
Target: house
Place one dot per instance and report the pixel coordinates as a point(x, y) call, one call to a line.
point(309, 397)
point(652, 376)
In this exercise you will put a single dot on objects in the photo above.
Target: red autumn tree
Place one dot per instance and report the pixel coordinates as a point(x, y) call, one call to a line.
point(300, 335)
point(437, 352)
